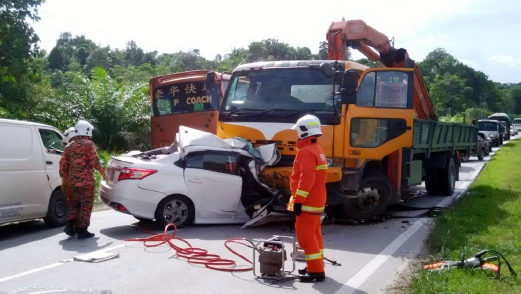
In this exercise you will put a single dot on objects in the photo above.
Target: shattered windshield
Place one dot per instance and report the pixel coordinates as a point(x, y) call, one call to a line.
point(278, 95)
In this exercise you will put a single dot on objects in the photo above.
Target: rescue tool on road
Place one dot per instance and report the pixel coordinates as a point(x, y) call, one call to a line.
point(475, 262)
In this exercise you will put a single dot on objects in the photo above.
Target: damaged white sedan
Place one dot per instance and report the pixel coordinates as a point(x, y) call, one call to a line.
point(207, 180)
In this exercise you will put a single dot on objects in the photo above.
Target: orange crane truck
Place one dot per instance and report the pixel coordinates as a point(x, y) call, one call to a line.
point(380, 133)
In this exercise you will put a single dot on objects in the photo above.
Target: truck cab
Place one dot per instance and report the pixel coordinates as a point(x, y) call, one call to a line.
point(491, 129)
point(503, 117)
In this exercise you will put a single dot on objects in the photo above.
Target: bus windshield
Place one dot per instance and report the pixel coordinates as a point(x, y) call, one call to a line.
point(182, 98)
point(279, 95)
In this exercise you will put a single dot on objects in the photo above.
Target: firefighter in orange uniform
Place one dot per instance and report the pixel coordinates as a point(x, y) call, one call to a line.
point(308, 196)
point(79, 159)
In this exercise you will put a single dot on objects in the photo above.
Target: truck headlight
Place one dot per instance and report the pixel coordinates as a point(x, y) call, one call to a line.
point(335, 162)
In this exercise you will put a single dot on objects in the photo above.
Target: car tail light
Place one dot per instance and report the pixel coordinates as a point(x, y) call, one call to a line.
point(129, 173)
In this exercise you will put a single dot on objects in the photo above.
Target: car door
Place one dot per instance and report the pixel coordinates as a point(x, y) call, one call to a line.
point(213, 182)
point(52, 150)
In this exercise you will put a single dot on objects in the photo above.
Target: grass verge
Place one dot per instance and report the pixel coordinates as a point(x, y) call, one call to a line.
point(487, 217)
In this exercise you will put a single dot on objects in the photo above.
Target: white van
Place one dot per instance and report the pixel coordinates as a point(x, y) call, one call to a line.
point(30, 184)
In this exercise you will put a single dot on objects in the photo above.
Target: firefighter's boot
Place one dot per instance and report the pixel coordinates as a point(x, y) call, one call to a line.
point(303, 271)
point(311, 277)
point(69, 228)
point(83, 233)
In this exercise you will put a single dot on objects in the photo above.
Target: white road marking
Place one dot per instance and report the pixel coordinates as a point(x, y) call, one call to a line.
point(370, 268)
point(51, 265)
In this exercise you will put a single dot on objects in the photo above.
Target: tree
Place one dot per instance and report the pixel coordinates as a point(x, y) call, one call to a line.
point(56, 60)
point(322, 51)
point(302, 53)
point(119, 113)
point(18, 47)
point(448, 94)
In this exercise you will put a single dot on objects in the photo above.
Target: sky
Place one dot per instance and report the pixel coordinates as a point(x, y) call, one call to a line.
point(483, 34)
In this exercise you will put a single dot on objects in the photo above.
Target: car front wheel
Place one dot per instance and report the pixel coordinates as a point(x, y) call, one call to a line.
point(57, 210)
point(175, 209)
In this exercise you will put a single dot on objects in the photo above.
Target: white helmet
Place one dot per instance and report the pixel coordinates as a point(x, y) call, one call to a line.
point(83, 128)
point(67, 135)
point(306, 126)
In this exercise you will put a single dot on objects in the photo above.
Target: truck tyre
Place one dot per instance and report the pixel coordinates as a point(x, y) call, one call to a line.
point(374, 195)
point(57, 210)
point(447, 178)
point(431, 181)
point(481, 154)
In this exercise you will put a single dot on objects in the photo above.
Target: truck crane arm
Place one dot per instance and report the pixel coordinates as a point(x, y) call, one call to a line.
point(378, 48)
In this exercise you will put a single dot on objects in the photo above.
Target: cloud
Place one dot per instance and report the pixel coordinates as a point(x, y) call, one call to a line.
point(503, 59)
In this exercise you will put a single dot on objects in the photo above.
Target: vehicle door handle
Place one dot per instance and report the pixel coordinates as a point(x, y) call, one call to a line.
point(195, 180)
point(48, 162)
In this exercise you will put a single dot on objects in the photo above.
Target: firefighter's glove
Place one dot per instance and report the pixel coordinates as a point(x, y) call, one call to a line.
point(297, 208)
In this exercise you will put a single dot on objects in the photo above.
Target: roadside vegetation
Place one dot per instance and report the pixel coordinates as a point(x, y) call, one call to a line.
point(487, 217)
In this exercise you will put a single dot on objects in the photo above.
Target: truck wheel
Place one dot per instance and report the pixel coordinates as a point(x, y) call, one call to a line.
point(57, 210)
point(447, 178)
point(373, 196)
point(481, 154)
point(431, 181)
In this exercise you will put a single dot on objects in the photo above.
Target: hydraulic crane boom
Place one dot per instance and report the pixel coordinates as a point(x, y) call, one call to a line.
point(378, 48)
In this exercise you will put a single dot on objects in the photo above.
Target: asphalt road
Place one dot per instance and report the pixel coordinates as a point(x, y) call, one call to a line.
point(374, 257)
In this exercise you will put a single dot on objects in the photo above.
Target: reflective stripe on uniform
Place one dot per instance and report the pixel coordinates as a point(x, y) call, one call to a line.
point(322, 166)
point(313, 256)
point(302, 193)
point(311, 209)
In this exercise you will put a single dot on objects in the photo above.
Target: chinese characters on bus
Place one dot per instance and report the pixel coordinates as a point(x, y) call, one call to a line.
point(183, 98)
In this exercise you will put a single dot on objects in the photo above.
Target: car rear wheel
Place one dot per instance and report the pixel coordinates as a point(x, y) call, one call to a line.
point(481, 154)
point(175, 209)
point(57, 210)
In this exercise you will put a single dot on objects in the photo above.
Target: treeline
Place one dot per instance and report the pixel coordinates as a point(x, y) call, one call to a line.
point(79, 79)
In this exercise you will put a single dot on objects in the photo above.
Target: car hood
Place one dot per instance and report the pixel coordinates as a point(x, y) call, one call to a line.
point(192, 140)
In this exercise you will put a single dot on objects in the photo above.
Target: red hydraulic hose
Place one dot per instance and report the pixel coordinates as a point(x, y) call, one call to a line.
point(196, 255)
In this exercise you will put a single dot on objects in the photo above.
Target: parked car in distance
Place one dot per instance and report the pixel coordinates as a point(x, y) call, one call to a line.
point(483, 148)
point(30, 186)
point(207, 181)
point(485, 142)
point(513, 131)
point(517, 124)
point(491, 130)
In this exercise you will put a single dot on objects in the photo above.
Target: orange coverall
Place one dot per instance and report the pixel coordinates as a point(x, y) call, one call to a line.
point(308, 186)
